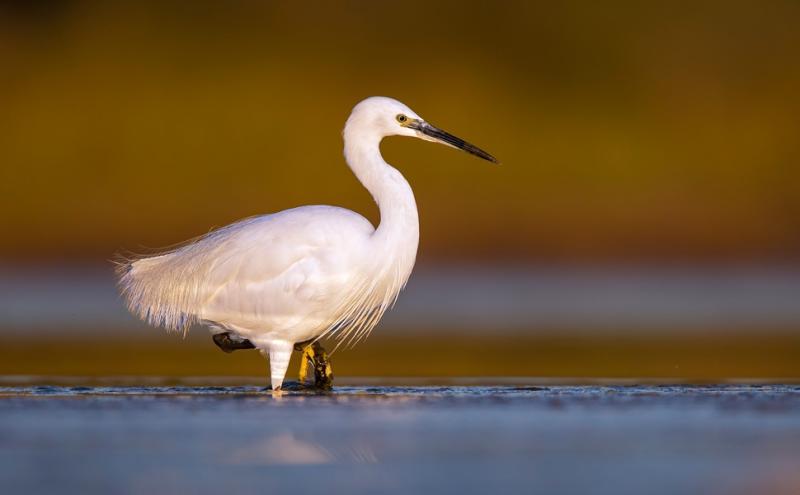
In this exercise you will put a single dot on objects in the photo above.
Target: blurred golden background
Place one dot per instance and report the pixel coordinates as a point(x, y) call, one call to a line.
point(631, 135)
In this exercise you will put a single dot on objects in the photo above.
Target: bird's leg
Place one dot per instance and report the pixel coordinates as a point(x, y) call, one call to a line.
point(305, 357)
point(279, 352)
point(315, 358)
point(229, 344)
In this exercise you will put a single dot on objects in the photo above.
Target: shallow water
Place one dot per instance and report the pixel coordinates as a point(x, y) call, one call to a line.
point(462, 439)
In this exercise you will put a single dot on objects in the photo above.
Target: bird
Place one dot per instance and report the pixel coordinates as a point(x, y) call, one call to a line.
point(283, 281)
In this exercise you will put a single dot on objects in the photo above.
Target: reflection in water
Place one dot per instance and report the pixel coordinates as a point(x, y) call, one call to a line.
point(282, 449)
point(287, 449)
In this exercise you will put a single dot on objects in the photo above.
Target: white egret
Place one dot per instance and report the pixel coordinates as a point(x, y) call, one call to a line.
point(272, 282)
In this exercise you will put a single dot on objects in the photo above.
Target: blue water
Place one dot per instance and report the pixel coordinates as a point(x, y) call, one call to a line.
point(551, 439)
point(79, 299)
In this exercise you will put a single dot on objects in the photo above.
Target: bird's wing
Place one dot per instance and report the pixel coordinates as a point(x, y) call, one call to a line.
point(256, 267)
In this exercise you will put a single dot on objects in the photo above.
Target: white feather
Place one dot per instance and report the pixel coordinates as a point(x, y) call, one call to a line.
point(299, 274)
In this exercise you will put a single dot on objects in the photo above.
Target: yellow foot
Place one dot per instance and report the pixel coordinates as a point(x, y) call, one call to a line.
point(315, 360)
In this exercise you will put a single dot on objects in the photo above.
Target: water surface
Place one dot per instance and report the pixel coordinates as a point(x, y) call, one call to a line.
point(458, 439)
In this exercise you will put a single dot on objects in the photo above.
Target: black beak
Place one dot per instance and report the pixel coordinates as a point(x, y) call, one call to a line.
point(436, 134)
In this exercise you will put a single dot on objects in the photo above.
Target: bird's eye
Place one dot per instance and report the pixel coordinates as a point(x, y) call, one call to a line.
point(401, 118)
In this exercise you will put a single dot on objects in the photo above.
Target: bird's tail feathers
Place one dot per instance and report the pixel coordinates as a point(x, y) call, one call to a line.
point(169, 289)
point(155, 289)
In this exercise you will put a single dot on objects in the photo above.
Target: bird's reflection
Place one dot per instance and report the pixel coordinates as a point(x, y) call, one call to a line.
point(287, 449)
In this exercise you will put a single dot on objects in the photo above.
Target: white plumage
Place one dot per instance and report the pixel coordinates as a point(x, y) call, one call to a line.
point(303, 273)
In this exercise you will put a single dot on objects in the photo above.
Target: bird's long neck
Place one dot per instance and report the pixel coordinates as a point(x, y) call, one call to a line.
point(399, 225)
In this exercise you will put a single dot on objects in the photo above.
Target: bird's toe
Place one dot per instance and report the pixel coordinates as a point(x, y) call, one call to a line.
point(229, 343)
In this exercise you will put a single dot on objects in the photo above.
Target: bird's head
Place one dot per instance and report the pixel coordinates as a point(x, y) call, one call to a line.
point(382, 116)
